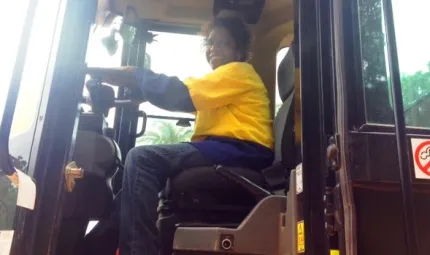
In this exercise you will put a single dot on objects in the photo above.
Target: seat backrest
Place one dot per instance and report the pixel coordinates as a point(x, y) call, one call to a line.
point(284, 120)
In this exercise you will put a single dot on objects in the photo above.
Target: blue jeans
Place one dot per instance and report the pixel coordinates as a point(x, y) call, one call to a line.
point(145, 174)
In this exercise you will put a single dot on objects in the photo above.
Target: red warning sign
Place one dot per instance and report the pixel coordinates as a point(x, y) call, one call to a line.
point(421, 152)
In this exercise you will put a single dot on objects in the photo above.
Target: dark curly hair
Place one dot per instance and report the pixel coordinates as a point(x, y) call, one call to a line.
point(238, 30)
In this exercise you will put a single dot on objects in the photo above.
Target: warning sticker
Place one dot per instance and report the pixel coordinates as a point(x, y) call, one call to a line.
point(334, 252)
point(301, 237)
point(421, 155)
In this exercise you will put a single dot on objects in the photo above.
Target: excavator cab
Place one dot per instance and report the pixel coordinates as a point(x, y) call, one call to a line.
point(225, 205)
point(349, 99)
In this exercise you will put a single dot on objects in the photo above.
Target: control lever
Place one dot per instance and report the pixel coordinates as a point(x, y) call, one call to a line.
point(142, 114)
point(102, 97)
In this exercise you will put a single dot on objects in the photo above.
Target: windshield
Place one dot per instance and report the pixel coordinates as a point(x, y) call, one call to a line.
point(178, 55)
point(98, 55)
point(413, 43)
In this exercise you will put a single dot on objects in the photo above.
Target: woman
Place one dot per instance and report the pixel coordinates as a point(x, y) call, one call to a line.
point(233, 127)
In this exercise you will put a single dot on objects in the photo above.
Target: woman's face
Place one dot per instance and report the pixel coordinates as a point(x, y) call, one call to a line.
point(221, 48)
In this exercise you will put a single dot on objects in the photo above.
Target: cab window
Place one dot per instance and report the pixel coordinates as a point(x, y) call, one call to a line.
point(178, 55)
point(8, 51)
point(411, 22)
point(42, 43)
point(99, 54)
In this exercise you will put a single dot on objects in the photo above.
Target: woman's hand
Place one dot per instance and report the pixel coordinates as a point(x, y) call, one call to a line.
point(127, 76)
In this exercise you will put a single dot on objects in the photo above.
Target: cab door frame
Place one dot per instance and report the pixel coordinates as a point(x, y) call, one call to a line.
point(52, 147)
point(353, 127)
point(314, 53)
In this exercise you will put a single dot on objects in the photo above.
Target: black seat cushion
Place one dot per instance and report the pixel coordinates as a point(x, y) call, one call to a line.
point(203, 185)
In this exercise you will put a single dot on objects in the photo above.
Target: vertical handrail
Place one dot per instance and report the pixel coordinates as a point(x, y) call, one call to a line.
point(6, 165)
point(399, 117)
point(310, 202)
point(139, 61)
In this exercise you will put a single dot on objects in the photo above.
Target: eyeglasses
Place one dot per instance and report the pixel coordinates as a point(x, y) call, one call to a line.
point(219, 44)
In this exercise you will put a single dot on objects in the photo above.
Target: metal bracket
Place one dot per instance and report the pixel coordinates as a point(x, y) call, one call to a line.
point(72, 173)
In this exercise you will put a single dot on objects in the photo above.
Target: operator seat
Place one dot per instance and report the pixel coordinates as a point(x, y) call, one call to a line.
point(223, 196)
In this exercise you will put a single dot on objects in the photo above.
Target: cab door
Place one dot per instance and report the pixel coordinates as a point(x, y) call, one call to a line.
point(382, 75)
point(43, 73)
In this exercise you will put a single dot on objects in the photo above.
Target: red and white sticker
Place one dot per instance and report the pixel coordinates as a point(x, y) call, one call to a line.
point(421, 156)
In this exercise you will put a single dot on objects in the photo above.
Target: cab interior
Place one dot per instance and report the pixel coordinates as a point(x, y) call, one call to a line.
point(209, 210)
point(262, 213)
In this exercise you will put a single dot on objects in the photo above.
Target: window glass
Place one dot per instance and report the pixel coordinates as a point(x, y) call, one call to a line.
point(99, 55)
point(176, 55)
point(411, 22)
point(279, 57)
point(38, 56)
point(9, 44)
point(161, 131)
point(173, 55)
point(8, 50)
point(413, 41)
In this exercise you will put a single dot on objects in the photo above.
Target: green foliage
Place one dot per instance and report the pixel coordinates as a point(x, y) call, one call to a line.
point(416, 98)
point(415, 86)
point(165, 132)
point(8, 196)
point(374, 67)
point(376, 78)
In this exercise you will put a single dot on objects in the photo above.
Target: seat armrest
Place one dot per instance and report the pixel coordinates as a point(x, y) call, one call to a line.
point(276, 177)
point(258, 192)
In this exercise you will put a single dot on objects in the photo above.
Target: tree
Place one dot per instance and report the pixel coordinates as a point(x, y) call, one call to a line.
point(376, 78)
point(165, 132)
point(416, 98)
point(8, 197)
point(415, 86)
point(374, 67)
